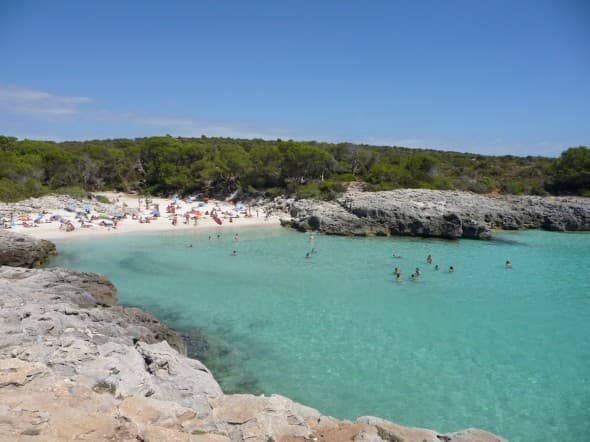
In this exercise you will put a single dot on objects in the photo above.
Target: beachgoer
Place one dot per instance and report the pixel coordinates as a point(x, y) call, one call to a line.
point(414, 277)
point(508, 264)
point(398, 277)
point(429, 259)
point(451, 269)
point(436, 267)
point(308, 255)
point(418, 271)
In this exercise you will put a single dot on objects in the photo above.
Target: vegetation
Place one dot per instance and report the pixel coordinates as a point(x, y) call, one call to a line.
point(222, 166)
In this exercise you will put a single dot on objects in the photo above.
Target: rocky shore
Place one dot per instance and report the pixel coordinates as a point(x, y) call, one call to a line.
point(432, 213)
point(75, 366)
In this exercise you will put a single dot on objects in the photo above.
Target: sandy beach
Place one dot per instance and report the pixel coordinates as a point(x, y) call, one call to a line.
point(125, 203)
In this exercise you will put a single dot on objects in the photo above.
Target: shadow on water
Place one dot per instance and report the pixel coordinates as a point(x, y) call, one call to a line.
point(506, 242)
point(225, 361)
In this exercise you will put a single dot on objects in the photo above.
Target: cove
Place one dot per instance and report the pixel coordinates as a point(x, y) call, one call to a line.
point(503, 350)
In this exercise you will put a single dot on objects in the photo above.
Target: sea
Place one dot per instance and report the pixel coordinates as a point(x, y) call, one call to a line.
point(322, 321)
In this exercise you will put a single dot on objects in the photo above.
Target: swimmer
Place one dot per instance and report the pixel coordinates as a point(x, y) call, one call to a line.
point(429, 259)
point(418, 271)
point(189, 245)
point(414, 277)
point(508, 264)
point(308, 255)
point(311, 237)
point(234, 253)
point(398, 277)
point(236, 237)
point(396, 255)
point(436, 267)
point(396, 271)
point(314, 251)
point(451, 269)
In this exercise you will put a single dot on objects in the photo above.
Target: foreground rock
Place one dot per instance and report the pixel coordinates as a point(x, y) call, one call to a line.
point(22, 250)
point(431, 213)
point(74, 366)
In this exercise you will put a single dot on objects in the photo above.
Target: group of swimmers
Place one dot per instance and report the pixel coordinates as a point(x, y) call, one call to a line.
point(414, 276)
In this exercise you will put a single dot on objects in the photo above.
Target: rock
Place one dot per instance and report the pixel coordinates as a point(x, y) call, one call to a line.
point(435, 213)
point(51, 203)
point(18, 250)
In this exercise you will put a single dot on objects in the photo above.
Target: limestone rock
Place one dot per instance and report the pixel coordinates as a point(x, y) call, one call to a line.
point(435, 213)
point(19, 250)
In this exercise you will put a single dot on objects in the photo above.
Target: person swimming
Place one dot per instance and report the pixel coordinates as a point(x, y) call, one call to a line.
point(418, 271)
point(313, 250)
point(451, 269)
point(429, 259)
point(436, 267)
point(308, 255)
point(395, 255)
point(398, 277)
point(234, 253)
point(414, 277)
point(508, 264)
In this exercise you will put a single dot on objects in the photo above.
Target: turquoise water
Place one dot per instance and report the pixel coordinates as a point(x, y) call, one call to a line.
point(503, 350)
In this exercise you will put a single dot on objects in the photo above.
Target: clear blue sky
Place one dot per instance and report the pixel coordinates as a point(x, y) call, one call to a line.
point(487, 76)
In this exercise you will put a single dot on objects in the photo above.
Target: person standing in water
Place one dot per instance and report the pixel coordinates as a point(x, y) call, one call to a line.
point(429, 259)
point(508, 264)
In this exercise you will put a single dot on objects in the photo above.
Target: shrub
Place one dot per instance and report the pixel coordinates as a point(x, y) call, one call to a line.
point(102, 199)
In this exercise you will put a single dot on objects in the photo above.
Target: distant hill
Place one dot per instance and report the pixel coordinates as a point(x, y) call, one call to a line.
point(306, 169)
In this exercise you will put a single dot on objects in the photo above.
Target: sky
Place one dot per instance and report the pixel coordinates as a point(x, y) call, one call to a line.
point(485, 76)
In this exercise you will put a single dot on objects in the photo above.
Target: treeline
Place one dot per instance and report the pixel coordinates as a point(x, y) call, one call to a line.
point(221, 166)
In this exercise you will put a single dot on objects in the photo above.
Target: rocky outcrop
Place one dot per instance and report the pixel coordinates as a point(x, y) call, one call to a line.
point(431, 213)
point(22, 250)
point(74, 366)
point(50, 203)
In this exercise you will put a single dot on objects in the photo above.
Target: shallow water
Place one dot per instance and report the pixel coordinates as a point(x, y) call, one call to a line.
point(503, 350)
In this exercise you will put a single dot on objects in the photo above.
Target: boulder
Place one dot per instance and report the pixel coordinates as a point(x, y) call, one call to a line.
point(19, 250)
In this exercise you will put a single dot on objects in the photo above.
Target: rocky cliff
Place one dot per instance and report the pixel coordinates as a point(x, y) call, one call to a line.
point(75, 366)
point(445, 214)
point(22, 250)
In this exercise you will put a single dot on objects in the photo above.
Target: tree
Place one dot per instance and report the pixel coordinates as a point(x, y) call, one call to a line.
point(571, 173)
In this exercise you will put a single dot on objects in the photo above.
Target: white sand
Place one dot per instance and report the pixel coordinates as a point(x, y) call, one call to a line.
point(161, 224)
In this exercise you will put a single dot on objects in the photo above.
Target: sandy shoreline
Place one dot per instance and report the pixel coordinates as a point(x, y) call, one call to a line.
point(161, 224)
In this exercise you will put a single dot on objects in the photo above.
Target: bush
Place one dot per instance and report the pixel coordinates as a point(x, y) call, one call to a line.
point(102, 199)
point(74, 191)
